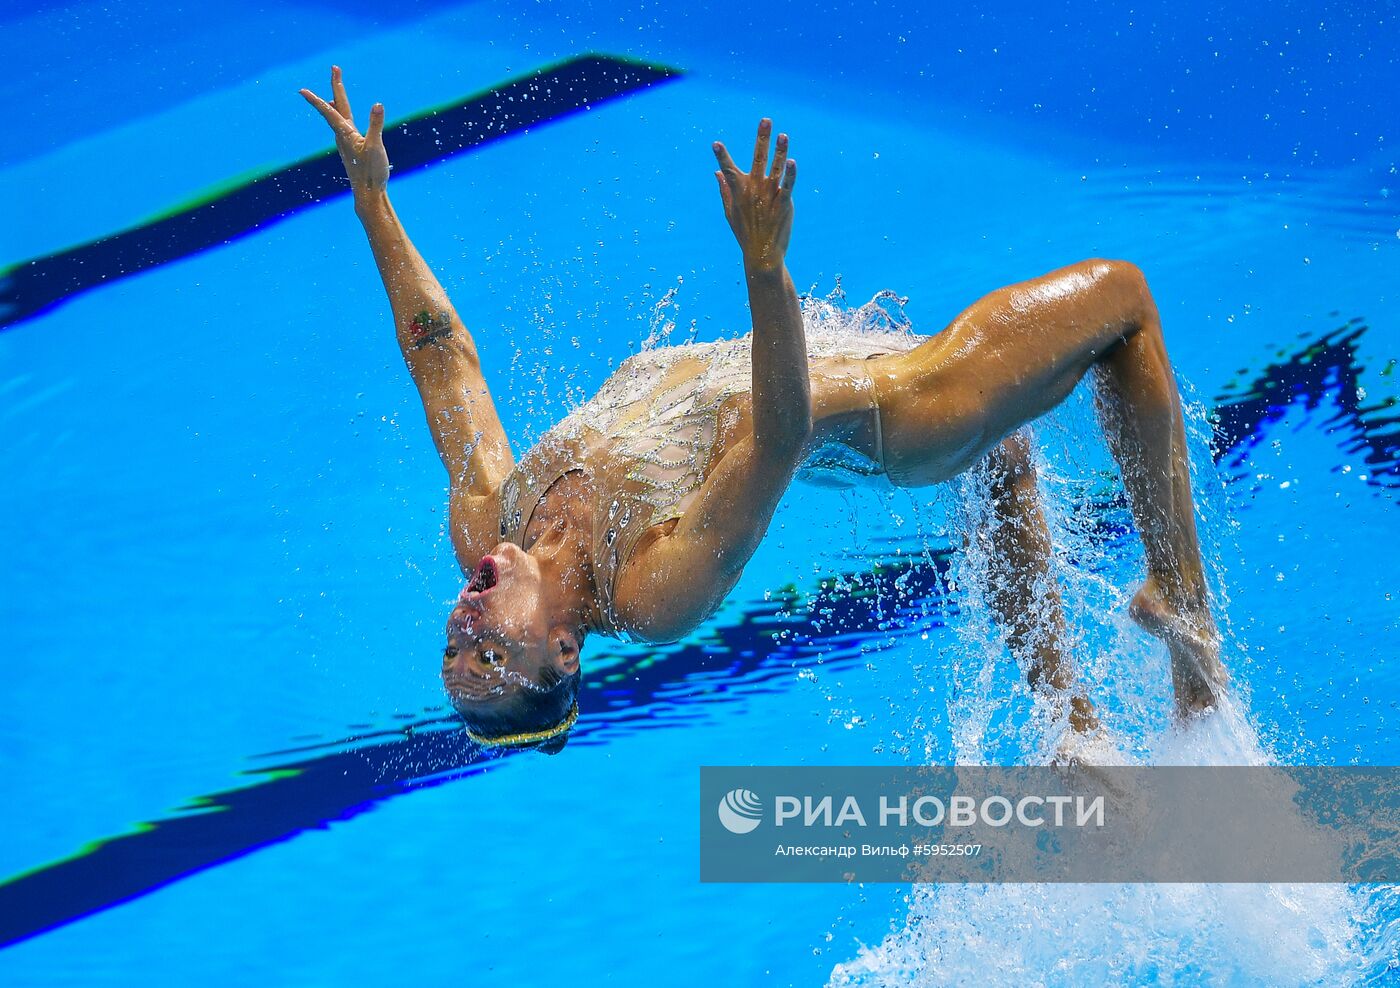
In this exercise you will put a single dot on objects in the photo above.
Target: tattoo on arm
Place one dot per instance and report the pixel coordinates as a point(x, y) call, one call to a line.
point(428, 328)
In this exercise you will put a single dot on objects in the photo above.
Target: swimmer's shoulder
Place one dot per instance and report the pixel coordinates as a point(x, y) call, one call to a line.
point(666, 610)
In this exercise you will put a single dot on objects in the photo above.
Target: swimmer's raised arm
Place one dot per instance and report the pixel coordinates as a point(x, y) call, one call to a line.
point(677, 581)
point(758, 205)
point(439, 351)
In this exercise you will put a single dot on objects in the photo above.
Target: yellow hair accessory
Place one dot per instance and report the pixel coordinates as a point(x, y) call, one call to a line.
point(528, 737)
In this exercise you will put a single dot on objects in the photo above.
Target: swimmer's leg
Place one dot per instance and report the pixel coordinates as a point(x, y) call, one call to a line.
point(1016, 354)
point(1140, 410)
point(1020, 588)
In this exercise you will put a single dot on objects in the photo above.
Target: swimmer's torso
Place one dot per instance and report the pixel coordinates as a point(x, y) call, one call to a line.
point(659, 424)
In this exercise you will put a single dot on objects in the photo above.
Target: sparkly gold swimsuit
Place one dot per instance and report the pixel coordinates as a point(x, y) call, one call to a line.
point(647, 440)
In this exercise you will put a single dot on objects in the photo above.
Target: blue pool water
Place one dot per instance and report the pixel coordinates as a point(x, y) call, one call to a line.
point(225, 751)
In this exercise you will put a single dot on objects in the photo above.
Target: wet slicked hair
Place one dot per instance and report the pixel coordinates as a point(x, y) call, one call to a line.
point(524, 711)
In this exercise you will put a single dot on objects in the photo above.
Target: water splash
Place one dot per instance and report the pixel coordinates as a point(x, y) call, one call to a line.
point(1111, 934)
point(665, 314)
point(1118, 934)
point(827, 321)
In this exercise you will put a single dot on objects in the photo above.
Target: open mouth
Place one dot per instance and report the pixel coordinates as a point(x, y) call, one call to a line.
point(485, 576)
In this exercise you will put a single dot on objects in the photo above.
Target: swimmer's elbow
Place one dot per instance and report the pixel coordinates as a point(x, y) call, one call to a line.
point(457, 350)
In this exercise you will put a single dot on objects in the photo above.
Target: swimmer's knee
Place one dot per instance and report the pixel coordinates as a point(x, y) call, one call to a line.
point(1129, 285)
point(1117, 273)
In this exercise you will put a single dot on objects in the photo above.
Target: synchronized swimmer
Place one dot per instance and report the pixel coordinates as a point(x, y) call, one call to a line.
point(621, 519)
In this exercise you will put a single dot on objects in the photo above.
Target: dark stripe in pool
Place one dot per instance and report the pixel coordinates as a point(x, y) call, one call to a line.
point(33, 287)
point(1321, 377)
point(342, 779)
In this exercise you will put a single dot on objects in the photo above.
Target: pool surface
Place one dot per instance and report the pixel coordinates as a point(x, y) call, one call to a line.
point(226, 750)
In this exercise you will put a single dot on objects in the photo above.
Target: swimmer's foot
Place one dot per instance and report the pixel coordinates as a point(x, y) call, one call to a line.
point(1190, 635)
point(1060, 690)
point(1082, 748)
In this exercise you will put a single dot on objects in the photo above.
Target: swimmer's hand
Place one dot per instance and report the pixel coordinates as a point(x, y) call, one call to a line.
point(757, 205)
point(364, 157)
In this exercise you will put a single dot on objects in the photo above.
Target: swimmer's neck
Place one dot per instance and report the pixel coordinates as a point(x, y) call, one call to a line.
point(560, 547)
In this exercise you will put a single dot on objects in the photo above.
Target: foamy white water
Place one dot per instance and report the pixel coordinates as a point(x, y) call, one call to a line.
point(1112, 934)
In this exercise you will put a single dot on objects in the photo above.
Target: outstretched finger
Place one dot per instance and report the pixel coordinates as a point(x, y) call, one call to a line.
point(726, 163)
point(342, 101)
point(779, 158)
point(760, 148)
point(376, 124)
point(338, 123)
point(725, 196)
point(789, 178)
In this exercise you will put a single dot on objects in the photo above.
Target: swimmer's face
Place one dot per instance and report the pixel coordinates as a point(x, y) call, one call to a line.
point(501, 639)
